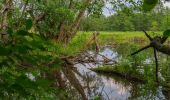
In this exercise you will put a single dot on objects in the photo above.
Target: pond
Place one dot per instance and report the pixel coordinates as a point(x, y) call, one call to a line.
point(109, 87)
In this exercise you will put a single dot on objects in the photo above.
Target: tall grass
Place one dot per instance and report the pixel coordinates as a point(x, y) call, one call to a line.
point(79, 42)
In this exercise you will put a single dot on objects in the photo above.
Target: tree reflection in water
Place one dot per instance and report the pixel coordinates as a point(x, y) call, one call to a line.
point(82, 83)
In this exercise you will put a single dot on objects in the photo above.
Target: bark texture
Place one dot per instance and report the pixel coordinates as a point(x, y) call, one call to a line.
point(4, 19)
point(65, 35)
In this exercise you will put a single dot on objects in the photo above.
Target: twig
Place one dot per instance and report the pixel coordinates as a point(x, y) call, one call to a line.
point(146, 47)
point(156, 62)
point(148, 36)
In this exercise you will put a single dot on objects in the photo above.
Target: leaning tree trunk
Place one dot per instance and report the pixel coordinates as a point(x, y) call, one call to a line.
point(65, 35)
point(161, 48)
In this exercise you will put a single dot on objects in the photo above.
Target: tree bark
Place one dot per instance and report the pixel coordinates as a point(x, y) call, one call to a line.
point(62, 37)
point(4, 25)
point(75, 25)
point(160, 47)
point(66, 34)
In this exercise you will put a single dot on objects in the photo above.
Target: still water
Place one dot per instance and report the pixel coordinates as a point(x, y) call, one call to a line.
point(109, 87)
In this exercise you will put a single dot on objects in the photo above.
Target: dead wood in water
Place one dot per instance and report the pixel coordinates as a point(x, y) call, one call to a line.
point(93, 39)
point(157, 43)
point(86, 57)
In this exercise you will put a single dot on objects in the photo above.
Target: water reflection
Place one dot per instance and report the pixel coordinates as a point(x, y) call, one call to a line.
point(116, 88)
point(105, 87)
point(90, 84)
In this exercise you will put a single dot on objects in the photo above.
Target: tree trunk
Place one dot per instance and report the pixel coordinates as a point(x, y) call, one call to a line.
point(161, 48)
point(66, 34)
point(77, 21)
point(4, 25)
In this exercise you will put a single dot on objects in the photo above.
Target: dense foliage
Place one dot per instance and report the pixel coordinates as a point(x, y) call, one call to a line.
point(35, 34)
point(129, 20)
point(30, 52)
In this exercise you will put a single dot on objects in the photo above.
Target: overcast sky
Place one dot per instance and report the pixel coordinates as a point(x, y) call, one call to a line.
point(107, 11)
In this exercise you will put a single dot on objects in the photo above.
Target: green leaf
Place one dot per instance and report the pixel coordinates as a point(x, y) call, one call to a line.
point(43, 83)
point(18, 88)
point(22, 32)
point(4, 51)
point(29, 24)
point(166, 33)
point(25, 82)
point(10, 31)
point(39, 1)
point(148, 5)
point(21, 48)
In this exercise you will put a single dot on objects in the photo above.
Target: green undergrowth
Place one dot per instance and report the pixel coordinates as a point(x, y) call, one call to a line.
point(75, 46)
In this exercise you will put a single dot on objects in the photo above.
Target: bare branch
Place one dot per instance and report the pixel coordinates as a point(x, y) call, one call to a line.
point(146, 47)
point(148, 36)
point(164, 39)
point(156, 62)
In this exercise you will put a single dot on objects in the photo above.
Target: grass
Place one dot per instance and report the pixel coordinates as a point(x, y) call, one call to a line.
point(80, 41)
point(121, 71)
point(121, 37)
point(127, 42)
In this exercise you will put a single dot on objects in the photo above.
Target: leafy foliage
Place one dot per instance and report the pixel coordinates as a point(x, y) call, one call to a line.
point(166, 33)
point(24, 54)
point(30, 52)
point(148, 5)
point(29, 24)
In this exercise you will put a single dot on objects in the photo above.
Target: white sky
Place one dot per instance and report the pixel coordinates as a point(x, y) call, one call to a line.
point(107, 11)
point(167, 4)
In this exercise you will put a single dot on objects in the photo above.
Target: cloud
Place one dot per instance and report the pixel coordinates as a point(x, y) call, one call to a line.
point(108, 10)
point(167, 4)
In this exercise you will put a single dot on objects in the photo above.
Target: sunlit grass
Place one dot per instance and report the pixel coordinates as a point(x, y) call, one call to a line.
point(80, 41)
point(119, 37)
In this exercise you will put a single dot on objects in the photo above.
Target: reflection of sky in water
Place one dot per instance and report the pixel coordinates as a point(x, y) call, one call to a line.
point(106, 52)
point(148, 61)
point(115, 90)
point(109, 54)
point(111, 88)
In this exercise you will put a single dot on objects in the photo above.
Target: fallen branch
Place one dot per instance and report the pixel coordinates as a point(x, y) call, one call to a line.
point(157, 44)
